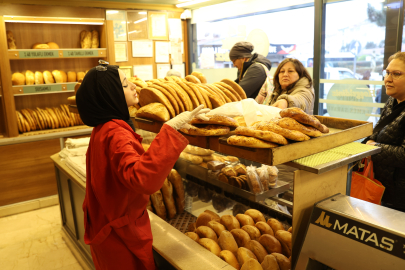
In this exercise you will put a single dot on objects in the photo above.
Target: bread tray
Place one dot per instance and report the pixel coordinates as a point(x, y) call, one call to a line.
point(184, 167)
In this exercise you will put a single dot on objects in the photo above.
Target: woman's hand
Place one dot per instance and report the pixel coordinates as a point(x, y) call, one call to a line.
point(185, 117)
point(282, 104)
point(371, 142)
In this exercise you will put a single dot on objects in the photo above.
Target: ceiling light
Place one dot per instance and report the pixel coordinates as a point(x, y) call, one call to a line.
point(112, 11)
point(194, 2)
point(142, 12)
point(141, 20)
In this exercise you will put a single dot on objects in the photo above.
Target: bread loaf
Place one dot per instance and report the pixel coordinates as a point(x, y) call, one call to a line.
point(216, 120)
point(260, 134)
point(178, 187)
point(287, 133)
point(292, 124)
point(230, 222)
point(167, 192)
point(283, 262)
point(48, 78)
point(11, 41)
point(235, 87)
point(241, 237)
point(198, 151)
point(229, 171)
point(18, 79)
point(80, 76)
point(158, 205)
point(154, 111)
point(290, 230)
point(264, 228)
point(192, 158)
point(211, 245)
point(285, 239)
point(209, 130)
point(206, 232)
point(230, 258)
point(264, 177)
point(40, 46)
point(52, 45)
point(57, 76)
point(85, 39)
point(275, 225)
point(302, 117)
point(249, 142)
point(192, 79)
point(257, 249)
point(205, 217)
point(251, 264)
point(223, 178)
point(270, 243)
point(227, 242)
point(244, 254)
point(253, 180)
point(95, 42)
point(240, 169)
point(29, 77)
point(215, 165)
point(217, 227)
point(245, 220)
point(270, 263)
point(39, 78)
point(253, 232)
point(256, 215)
point(193, 236)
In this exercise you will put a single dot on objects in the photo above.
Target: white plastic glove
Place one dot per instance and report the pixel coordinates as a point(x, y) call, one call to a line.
point(185, 117)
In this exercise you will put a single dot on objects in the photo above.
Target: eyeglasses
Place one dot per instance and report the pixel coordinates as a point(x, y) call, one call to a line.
point(394, 74)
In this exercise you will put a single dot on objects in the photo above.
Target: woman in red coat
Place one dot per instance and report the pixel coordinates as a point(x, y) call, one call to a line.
point(120, 174)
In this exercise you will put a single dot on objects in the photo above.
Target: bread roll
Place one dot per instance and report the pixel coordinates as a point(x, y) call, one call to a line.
point(52, 45)
point(215, 165)
point(285, 239)
point(29, 77)
point(275, 225)
point(230, 258)
point(270, 243)
point(245, 220)
point(178, 187)
point(264, 228)
point(192, 158)
point(252, 264)
point(192, 227)
point(244, 254)
point(217, 227)
point(227, 241)
point(241, 237)
point(204, 218)
point(167, 192)
point(230, 222)
point(216, 120)
point(95, 42)
point(253, 232)
point(39, 78)
point(193, 236)
point(154, 111)
point(18, 79)
point(48, 78)
point(249, 142)
point(229, 171)
point(301, 116)
point(270, 263)
point(71, 76)
point(158, 205)
point(257, 249)
point(211, 245)
point(240, 169)
point(11, 41)
point(57, 76)
point(290, 229)
point(284, 263)
point(256, 215)
point(85, 39)
point(40, 46)
point(80, 76)
point(206, 232)
point(198, 151)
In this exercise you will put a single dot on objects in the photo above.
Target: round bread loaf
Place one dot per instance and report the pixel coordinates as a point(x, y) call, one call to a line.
point(204, 218)
point(270, 243)
point(283, 262)
point(217, 227)
point(211, 245)
point(275, 225)
point(57, 76)
point(264, 228)
point(40, 46)
point(193, 236)
point(241, 237)
point(251, 264)
point(39, 78)
point(18, 79)
point(29, 77)
point(253, 232)
point(270, 263)
point(230, 222)
point(206, 232)
point(227, 242)
point(255, 215)
point(230, 258)
point(52, 45)
point(245, 219)
point(244, 254)
point(154, 111)
point(236, 87)
point(48, 78)
point(80, 76)
point(192, 78)
point(150, 95)
point(257, 249)
point(285, 239)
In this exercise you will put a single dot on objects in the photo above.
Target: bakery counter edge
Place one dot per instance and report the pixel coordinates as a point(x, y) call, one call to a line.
point(175, 247)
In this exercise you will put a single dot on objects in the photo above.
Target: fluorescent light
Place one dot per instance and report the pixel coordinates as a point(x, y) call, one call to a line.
point(136, 31)
point(123, 22)
point(141, 20)
point(194, 2)
point(112, 11)
point(144, 12)
point(55, 22)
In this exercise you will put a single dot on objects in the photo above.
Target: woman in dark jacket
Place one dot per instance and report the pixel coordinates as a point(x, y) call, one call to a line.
point(389, 134)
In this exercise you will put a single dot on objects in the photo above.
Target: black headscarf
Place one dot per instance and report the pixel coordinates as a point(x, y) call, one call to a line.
point(100, 98)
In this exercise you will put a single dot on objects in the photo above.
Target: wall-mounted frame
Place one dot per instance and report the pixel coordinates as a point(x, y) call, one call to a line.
point(121, 51)
point(128, 70)
point(158, 26)
point(119, 18)
point(137, 24)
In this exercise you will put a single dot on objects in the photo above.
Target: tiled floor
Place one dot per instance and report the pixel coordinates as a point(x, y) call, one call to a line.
point(33, 241)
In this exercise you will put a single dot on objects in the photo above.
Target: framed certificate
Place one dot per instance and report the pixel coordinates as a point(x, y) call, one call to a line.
point(158, 26)
point(137, 22)
point(127, 70)
point(121, 51)
point(119, 18)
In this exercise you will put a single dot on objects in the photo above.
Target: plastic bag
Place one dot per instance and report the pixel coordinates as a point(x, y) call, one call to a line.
point(254, 182)
point(273, 175)
point(263, 176)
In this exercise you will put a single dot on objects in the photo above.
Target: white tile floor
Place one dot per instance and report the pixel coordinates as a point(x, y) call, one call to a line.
point(33, 241)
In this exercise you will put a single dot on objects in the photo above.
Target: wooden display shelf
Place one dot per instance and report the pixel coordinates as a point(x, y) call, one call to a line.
point(43, 88)
point(342, 131)
point(23, 54)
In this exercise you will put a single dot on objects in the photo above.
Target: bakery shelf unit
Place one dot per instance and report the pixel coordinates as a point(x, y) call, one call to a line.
point(65, 32)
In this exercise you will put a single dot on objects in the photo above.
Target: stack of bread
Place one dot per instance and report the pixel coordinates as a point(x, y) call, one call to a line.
point(89, 39)
point(57, 76)
point(295, 125)
point(246, 241)
point(40, 119)
point(162, 99)
point(217, 125)
point(169, 200)
point(201, 156)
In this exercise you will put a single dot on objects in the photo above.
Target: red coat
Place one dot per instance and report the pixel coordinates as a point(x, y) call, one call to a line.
point(120, 178)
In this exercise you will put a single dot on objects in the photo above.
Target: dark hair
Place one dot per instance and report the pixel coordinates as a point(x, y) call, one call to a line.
point(299, 67)
point(398, 55)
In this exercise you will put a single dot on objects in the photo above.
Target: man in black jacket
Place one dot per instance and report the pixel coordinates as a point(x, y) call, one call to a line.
point(251, 68)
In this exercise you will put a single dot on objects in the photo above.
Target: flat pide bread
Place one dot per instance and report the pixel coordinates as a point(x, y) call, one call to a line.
point(151, 95)
point(292, 124)
point(301, 116)
point(154, 111)
point(190, 94)
point(236, 94)
point(172, 91)
point(219, 89)
point(217, 120)
point(287, 133)
point(204, 95)
point(250, 142)
point(208, 130)
point(192, 78)
point(213, 90)
point(228, 93)
point(169, 96)
point(198, 94)
point(236, 87)
point(188, 105)
point(260, 134)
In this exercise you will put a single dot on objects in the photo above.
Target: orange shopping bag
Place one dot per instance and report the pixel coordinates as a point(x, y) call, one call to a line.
point(365, 187)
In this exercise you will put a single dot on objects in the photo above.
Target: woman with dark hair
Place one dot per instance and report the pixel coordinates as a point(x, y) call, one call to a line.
point(292, 87)
point(120, 175)
point(389, 134)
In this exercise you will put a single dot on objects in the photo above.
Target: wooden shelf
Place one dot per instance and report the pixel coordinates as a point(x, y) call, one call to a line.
point(56, 53)
point(54, 20)
point(20, 90)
